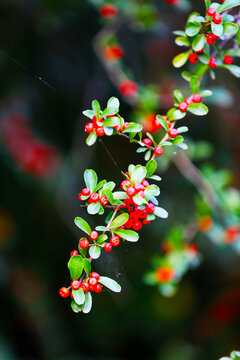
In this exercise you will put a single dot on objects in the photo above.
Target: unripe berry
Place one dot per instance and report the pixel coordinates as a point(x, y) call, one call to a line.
point(217, 18)
point(94, 197)
point(125, 184)
point(212, 62)
point(173, 133)
point(93, 235)
point(158, 151)
point(92, 281)
point(115, 241)
point(128, 88)
point(89, 128)
point(94, 275)
point(131, 191)
point(137, 225)
point(74, 253)
point(193, 58)
point(182, 106)
point(211, 11)
point(85, 192)
point(100, 131)
point(196, 98)
point(150, 207)
point(85, 286)
point(107, 247)
point(103, 200)
point(64, 292)
point(83, 243)
point(108, 11)
point(98, 288)
point(147, 142)
point(228, 60)
point(75, 284)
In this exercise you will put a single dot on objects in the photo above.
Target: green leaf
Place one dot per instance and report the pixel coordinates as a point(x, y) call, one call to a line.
point(94, 208)
point(201, 69)
point(160, 212)
point(217, 29)
point(178, 96)
point(128, 235)
point(182, 129)
point(194, 83)
point(99, 185)
point(179, 33)
point(91, 139)
point(186, 75)
point(96, 107)
point(203, 58)
point(87, 265)
point(235, 70)
point(139, 173)
point(192, 28)
point(78, 296)
point(83, 225)
point(110, 283)
point(101, 228)
point(101, 239)
point(133, 127)
point(88, 113)
point(120, 195)
point(175, 114)
point(180, 59)
point(90, 178)
point(232, 52)
point(230, 29)
point(111, 121)
point(163, 122)
point(75, 307)
point(228, 4)
point(88, 303)
point(178, 140)
point(152, 190)
point(109, 195)
point(75, 266)
point(95, 251)
point(119, 221)
point(147, 156)
point(151, 167)
point(113, 102)
point(198, 42)
point(182, 41)
point(207, 3)
point(155, 177)
point(205, 93)
point(139, 200)
point(198, 109)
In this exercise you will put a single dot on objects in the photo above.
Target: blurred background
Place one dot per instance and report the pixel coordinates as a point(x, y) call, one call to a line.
point(50, 72)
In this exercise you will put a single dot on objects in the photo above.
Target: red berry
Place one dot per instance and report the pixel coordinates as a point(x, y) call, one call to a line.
point(147, 142)
point(143, 214)
point(182, 106)
point(128, 224)
point(128, 88)
point(125, 125)
point(115, 241)
point(146, 222)
point(169, 123)
point(125, 184)
point(158, 150)
point(93, 235)
point(64, 292)
point(196, 98)
point(118, 128)
point(211, 11)
point(150, 207)
point(173, 133)
point(92, 281)
point(189, 100)
point(74, 253)
point(211, 39)
point(85, 192)
point(95, 275)
point(98, 288)
point(83, 243)
point(217, 18)
point(145, 183)
point(137, 225)
point(75, 284)
point(85, 286)
point(113, 53)
point(107, 247)
point(138, 187)
point(156, 124)
point(131, 191)
point(100, 131)
point(108, 11)
point(193, 58)
point(228, 59)
point(200, 51)
point(93, 198)
point(212, 62)
point(103, 200)
point(89, 128)
point(80, 197)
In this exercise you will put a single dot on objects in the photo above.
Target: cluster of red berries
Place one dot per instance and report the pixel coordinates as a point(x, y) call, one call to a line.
point(32, 155)
point(99, 129)
point(91, 284)
point(215, 17)
point(194, 99)
point(84, 243)
point(92, 198)
point(113, 53)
